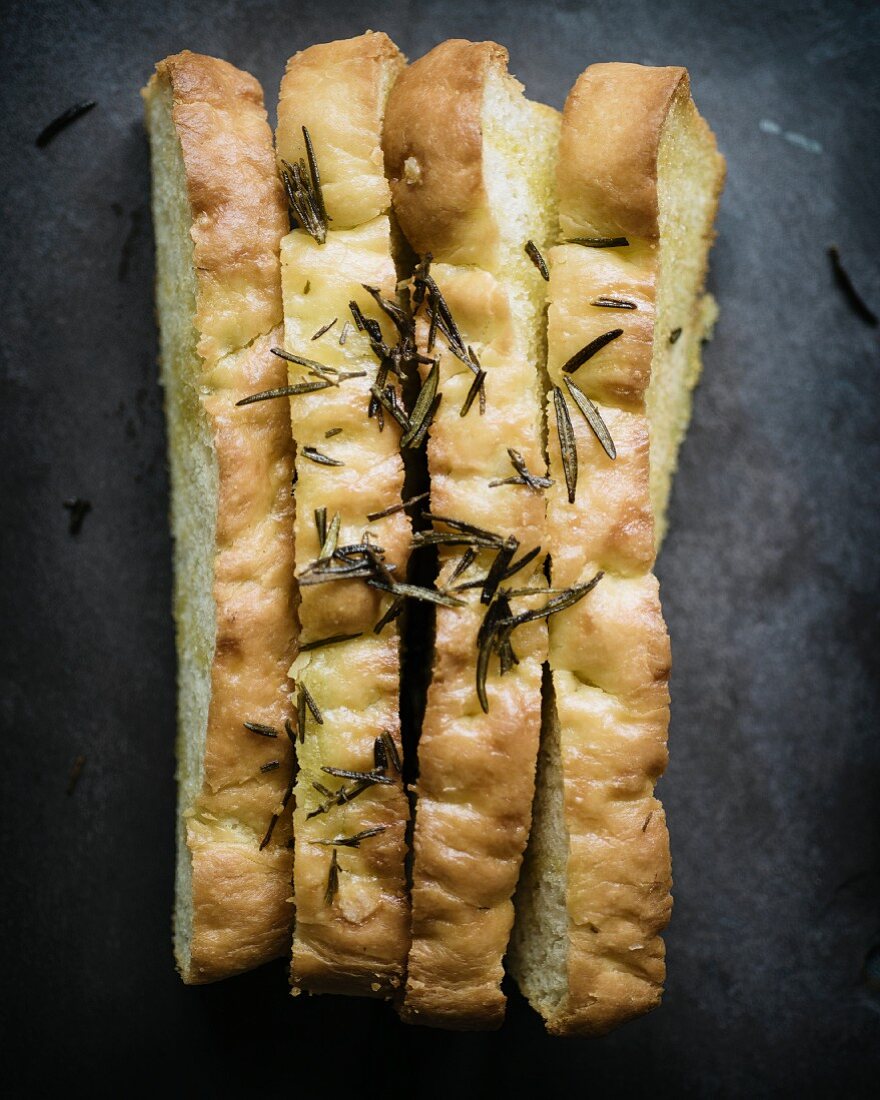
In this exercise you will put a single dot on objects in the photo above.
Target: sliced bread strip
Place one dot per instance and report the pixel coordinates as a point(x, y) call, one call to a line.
point(639, 180)
point(218, 215)
point(470, 163)
point(352, 912)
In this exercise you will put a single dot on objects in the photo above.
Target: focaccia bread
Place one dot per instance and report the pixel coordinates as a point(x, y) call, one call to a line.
point(219, 216)
point(470, 164)
point(352, 912)
point(639, 179)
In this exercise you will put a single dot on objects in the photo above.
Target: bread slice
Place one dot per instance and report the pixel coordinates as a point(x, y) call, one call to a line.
point(470, 162)
point(639, 180)
point(219, 216)
point(352, 910)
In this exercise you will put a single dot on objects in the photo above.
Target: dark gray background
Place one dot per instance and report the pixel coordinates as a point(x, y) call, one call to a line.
point(770, 580)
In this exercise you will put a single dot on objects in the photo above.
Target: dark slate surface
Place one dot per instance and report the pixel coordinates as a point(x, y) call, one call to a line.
point(770, 581)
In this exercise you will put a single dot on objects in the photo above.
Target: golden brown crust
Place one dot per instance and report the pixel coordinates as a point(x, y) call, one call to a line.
point(241, 910)
point(609, 655)
point(476, 769)
point(235, 194)
point(607, 172)
point(434, 153)
point(240, 895)
point(337, 90)
point(352, 924)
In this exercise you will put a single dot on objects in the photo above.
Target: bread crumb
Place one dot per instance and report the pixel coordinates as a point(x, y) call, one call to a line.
point(412, 171)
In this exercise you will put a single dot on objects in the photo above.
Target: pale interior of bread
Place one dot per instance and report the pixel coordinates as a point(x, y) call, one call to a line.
point(687, 191)
point(519, 150)
point(688, 183)
point(194, 482)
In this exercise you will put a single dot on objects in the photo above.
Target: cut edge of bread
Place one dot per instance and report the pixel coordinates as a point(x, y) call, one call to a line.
point(194, 483)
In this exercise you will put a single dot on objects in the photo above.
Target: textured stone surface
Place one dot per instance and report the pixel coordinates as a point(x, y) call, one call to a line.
point(770, 578)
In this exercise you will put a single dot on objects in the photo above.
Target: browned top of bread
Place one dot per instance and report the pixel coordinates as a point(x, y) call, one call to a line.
point(434, 153)
point(607, 171)
point(233, 214)
point(596, 891)
point(337, 90)
point(238, 213)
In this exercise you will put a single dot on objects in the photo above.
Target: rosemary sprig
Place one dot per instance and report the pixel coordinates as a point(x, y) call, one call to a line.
point(343, 335)
point(524, 477)
point(284, 391)
point(261, 729)
point(387, 398)
point(389, 308)
point(537, 259)
point(332, 879)
point(589, 350)
point(593, 417)
point(498, 624)
point(325, 328)
point(354, 841)
point(316, 456)
point(270, 766)
point(614, 303)
point(304, 194)
point(468, 528)
point(599, 242)
point(331, 432)
point(567, 443)
point(338, 798)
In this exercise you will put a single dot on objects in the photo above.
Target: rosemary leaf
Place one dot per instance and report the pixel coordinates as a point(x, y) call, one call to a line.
point(284, 391)
point(332, 880)
point(567, 443)
point(394, 610)
point(423, 405)
point(354, 841)
point(320, 459)
point(498, 568)
point(593, 417)
point(373, 516)
point(258, 727)
point(589, 350)
point(325, 328)
point(476, 388)
point(599, 242)
point(362, 777)
point(614, 303)
point(537, 259)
